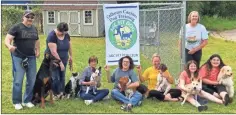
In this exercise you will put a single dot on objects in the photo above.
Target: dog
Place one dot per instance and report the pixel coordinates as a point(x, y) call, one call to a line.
point(194, 88)
point(225, 77)
point(94, 77)
point(162, 84)
point(72, 87)
point(123, 83)
point(43, 80)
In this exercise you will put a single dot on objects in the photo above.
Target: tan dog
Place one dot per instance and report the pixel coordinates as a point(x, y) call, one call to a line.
point(193, 88)
point(225, 78)
point(123, 83)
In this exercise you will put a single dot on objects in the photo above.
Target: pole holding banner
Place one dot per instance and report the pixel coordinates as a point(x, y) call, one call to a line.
point(122, 32)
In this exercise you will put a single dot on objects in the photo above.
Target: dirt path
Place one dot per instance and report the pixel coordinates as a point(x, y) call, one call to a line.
point(227, 35)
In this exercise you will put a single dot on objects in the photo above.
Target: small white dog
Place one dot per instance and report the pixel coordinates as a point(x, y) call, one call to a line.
point(193, 88)
point(94, 77)
point(225, 77)
point(162, 84)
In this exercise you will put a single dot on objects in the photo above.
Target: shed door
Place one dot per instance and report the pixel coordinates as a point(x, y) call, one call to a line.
point(74, 23)
point(63, 16)
point(73, 20)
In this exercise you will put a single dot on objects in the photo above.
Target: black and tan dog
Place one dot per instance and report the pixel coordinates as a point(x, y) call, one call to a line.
point(43, 81)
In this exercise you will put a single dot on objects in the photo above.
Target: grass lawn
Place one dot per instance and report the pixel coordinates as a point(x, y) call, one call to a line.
point(219, 23)
point(82, 49)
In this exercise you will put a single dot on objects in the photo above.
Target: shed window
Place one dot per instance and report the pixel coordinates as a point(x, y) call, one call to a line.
point(88, 17)
point(51, 17)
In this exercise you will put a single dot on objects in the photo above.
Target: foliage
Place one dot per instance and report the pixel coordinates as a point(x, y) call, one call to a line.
point(213, 8)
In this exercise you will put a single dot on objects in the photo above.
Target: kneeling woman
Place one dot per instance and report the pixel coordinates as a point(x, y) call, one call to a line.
point(91, 97)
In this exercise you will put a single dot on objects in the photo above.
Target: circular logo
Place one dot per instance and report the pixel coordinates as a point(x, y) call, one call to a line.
point(122, 34)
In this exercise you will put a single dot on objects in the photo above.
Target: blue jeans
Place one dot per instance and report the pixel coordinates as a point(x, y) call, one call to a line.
point(58, 80)
point(95, 97)
point(18, 76)
point(116, 94)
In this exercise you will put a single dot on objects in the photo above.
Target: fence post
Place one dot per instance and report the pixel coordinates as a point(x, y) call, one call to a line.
point(183, 35)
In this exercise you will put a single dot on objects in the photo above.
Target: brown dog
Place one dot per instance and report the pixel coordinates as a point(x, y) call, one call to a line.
point(123, 83)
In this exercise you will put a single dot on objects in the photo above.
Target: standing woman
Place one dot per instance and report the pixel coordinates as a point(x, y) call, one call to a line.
point(196, 37)
point(59, 45)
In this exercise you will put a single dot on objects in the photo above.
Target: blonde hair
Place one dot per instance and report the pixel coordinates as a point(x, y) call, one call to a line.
point(156, 55)
point(190, 14)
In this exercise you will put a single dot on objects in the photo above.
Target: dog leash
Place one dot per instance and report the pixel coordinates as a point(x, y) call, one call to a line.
point(71, 66)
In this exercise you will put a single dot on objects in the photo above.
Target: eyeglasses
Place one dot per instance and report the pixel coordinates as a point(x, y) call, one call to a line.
point(32, 17)
point(125, 61)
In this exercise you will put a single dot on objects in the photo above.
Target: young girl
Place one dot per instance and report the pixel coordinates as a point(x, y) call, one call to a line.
point(209, 72)
point(191, 71)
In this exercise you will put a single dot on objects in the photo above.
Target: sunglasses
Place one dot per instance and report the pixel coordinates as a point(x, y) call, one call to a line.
point(32, 17)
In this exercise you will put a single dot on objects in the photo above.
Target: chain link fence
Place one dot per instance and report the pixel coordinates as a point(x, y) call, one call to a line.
point(160, 25)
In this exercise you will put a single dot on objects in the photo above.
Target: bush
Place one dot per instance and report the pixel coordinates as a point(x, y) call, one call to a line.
point(13, 15)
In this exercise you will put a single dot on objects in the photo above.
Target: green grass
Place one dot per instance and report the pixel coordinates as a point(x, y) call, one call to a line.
point(218, 23)
point(82, 49)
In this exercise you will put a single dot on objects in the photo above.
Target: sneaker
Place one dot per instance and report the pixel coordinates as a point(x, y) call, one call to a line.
point(18, 106)
point(123, 106)
point(226, 100)
point(88, 102)
point(126, 107)
point(202, 108)
point(29, 104)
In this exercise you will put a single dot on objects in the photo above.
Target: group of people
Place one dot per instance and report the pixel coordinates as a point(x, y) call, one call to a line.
point(26, 46)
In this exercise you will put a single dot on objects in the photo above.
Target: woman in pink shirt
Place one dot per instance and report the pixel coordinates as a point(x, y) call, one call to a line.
point(209, 72)
point(191, 71)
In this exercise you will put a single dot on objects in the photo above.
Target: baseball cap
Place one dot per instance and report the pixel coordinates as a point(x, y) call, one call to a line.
point(28, 12)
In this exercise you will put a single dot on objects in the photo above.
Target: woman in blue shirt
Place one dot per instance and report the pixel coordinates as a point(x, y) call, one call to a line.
point(59, 45)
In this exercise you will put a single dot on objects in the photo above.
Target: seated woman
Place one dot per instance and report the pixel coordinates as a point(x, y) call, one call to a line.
point(125, 69)
point(191, 71)
point(150, 75)
point(209, 72)
point(85, 82)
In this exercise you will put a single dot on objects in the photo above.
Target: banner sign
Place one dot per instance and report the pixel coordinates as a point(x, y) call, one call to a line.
point(122, 32)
